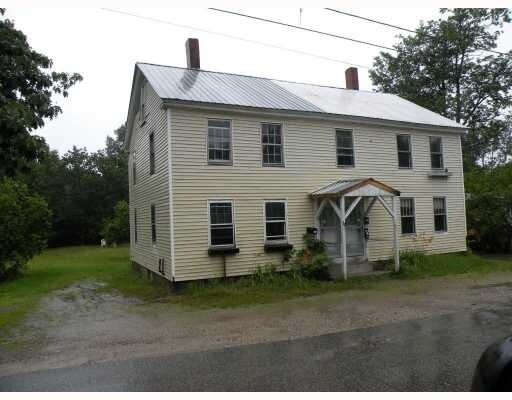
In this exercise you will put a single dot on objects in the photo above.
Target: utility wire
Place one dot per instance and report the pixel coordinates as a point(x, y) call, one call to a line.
point(395, 26)
point(305, 53)
point(301, 28)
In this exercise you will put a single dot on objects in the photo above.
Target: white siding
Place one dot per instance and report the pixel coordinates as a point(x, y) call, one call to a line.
point(150, 189)
point(310, 156)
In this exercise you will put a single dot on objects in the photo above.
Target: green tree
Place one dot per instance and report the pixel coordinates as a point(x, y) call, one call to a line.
point(445, 68)
point(24, 224)
point(27, 87)
point(116, 229)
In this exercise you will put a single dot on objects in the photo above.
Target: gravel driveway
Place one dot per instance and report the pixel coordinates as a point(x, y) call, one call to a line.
point(80, 324)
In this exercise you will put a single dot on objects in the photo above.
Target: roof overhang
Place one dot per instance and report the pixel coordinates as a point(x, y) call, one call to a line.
point(367, 187)
point(307, 115)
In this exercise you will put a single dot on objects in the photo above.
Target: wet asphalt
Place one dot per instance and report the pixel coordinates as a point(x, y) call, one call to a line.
point(431, 354)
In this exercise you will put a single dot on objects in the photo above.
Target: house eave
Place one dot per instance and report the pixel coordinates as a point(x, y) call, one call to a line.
point(177, 103)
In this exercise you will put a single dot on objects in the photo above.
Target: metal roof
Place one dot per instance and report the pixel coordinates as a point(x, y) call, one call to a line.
point(190, 85)
point(345, 186)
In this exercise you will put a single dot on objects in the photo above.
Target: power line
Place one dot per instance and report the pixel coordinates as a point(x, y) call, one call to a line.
point(395, 26)
point(160, 21)
point(302, 28)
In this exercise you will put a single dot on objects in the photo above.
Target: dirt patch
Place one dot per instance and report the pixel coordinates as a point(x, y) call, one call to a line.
point(84, 324)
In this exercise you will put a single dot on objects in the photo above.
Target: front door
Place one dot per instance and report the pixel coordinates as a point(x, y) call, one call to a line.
point(354, 229)
point(330, 232)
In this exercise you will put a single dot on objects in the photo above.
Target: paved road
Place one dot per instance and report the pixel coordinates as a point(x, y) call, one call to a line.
point(437, 353)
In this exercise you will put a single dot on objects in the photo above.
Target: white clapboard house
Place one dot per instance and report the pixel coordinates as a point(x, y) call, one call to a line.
point(227, 172)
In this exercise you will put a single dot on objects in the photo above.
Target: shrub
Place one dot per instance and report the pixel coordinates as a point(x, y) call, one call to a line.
point(116, 229)
point(312, 261)
point(24, 226)
point(412, 259)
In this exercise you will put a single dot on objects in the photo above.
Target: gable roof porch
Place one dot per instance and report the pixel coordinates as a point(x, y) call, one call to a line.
point(359, 189)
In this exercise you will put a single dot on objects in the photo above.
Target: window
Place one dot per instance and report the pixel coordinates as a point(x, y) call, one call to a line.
point(135, 235)
point(275, 221)
point(436, 152)
point(134, 168)
point(272, 144)
point(407, 215)
point(440, 222)
point(403, 145)
point(142, 105)
point(151, 153)
point(219, 141)
point(222, 229)
point(344, 148)
point(153, 224)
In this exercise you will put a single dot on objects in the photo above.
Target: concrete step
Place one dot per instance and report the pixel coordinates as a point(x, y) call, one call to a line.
point(353, 269)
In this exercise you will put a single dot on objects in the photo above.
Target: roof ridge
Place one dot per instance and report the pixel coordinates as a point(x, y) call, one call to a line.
point(262, 77)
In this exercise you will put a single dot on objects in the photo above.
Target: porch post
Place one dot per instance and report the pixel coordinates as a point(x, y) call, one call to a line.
point(317, 218)
point(343, 237)
point(396, 240)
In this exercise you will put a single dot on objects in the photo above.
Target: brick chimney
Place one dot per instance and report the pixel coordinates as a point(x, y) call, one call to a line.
point(192, 46)
point(351, 78)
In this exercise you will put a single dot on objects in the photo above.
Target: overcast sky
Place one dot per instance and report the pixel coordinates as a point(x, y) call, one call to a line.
point(103, 46)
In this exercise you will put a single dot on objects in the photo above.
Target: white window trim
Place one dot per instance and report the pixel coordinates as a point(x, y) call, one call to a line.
point(152, 134)
point(134, 169)
point(233, 221)
point(285, 201)
point(414, 215)
point(410, 150)
point(153, 242)
point(445, 197)
point(442, 153)
point(283, 144)
point(353, 147)
point(229, 162)
point(143, 102)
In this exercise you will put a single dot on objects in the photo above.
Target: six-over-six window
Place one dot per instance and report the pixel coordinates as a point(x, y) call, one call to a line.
point(275, 221)
point(222, 227)
point(272, 145)
point(219, 141)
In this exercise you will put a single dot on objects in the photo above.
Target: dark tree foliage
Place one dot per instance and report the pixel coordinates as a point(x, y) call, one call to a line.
point(116, 228)
point(443, 67)
point(82, 189)
point(27, 86)
point(24, 225)
point(489, 208)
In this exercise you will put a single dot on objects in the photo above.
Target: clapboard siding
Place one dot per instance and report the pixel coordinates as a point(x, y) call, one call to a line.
point(310, 158)
point(150, 189)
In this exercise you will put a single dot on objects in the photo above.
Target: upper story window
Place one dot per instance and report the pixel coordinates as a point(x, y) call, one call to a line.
point(142, 100)
point(153, 223)
point(134, 168)
point(440, 220)
point(407, 215)
point(219, 141)
point(222, 228)
point(403, 146)
point(272, 145)
point(436, 152)
point(275, 221)
point(151, 153)
point(344, 148)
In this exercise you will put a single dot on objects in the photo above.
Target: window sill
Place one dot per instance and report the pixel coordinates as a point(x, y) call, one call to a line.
point(273, 165)
point(228, 163)
point(439, 173)
point(213, 251)
point(276, 247)
point(345, 166)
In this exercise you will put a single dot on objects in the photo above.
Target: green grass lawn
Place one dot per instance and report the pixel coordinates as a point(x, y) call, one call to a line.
point(59, 268)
